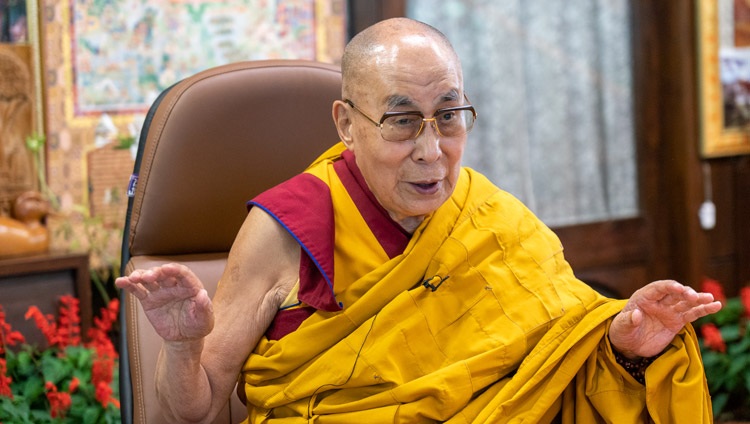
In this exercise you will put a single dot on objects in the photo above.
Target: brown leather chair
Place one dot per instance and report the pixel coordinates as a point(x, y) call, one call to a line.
point(209, 144)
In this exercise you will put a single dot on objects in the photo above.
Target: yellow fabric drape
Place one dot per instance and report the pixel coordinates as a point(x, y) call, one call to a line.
point(509, 335)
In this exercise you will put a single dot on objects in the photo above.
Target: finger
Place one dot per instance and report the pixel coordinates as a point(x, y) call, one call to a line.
point(706, 298)
point(636, 317)
point(151, 279)
point(692, 300)
point(630, 317)
point(135, 289)
point(181, 275)
point(702, 310)
point(164, 276)
point(682, 297)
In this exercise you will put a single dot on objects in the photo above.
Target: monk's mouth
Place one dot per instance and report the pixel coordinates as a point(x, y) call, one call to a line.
point(426, 188)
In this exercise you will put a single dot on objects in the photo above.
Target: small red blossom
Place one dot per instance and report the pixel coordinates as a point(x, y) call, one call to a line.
point(8, 337)
point(102, 370)
point(73, 385)
point(64, 332)
point(745, 298)
point(59, 402)
point(103, 392)
point(712, 338)
point(5, 380)
point(709, 285)
point(69, 322)
point(46, 324)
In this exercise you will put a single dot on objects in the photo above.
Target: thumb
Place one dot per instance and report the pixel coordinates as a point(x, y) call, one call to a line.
point(636, 317)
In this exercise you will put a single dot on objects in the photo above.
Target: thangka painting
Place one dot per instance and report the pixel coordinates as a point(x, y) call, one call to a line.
point(126, 52)
point(724, 76)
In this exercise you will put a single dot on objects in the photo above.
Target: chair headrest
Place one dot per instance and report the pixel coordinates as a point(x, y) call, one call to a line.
point(220, 137)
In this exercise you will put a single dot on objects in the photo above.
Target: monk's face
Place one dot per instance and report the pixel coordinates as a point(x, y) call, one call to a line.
point(410, 178)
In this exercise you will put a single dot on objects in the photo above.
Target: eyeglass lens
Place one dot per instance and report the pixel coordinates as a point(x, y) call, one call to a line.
point(450, 123)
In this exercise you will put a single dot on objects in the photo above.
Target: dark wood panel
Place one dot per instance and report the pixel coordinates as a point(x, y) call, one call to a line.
point(363, 13)
point(619, 281)
point(40, 280)
point(613, 254)
point(607, 243)
point(648, 128)
point(742, 221)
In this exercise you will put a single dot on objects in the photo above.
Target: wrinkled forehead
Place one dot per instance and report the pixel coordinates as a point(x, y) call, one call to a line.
point(416, 66)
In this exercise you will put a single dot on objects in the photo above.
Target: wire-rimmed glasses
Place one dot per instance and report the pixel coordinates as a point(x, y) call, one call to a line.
point(402, 126)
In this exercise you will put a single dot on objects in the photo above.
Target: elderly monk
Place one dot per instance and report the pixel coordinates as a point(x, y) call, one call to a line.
point(387, 283)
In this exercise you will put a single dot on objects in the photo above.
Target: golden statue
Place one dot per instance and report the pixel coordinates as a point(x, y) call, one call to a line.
point(25, 233)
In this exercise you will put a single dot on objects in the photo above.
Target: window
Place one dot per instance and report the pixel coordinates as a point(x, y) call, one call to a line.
point(552, 85)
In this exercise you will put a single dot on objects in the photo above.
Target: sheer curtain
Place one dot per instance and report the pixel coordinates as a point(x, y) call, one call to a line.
point(552, 84)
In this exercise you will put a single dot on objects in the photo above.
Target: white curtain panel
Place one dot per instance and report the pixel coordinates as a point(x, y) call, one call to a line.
point(552, 84)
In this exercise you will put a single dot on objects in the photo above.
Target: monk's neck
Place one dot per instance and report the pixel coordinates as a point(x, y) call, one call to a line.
point(410, 223)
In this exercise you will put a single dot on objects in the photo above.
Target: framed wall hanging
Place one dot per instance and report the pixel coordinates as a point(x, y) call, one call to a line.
point(723, 31)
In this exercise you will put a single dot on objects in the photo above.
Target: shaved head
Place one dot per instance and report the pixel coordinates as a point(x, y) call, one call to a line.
point(363, 51)
point(402, 66)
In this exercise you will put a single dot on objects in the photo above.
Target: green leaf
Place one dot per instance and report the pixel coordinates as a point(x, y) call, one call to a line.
point(737, 349)
point(33, 387)
point(56, 369)
point(39, 416)
point(737, 366)
point(24, 364)
point(91, 416)
point(719, 402)
point(730, 333)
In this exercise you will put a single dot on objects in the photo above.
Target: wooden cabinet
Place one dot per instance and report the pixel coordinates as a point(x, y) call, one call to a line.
point(40, 280)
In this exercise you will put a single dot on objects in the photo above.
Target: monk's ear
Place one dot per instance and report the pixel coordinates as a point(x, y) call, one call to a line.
point(342, 118)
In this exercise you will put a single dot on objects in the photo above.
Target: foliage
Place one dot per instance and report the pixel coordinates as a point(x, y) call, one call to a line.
point(68, 381)
point(725, 348)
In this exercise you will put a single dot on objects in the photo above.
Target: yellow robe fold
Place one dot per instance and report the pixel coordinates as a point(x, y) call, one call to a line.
point(480, 320)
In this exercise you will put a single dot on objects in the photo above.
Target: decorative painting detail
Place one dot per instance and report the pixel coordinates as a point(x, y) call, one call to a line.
point(110, 58)
point(13, 22)
point(127, 52)
point(724, 76)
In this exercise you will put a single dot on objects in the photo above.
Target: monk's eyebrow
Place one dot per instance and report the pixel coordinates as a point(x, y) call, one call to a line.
point(450, 96)
point(398, 100)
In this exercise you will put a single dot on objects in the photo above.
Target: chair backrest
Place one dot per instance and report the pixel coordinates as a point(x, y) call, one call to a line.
point(210, 143)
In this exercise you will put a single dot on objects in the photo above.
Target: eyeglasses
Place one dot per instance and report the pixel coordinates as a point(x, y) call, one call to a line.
point(402, 126)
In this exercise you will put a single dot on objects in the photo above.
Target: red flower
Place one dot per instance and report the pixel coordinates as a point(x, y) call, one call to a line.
point(712, 338)
point(69, 323)
point(59, 402)
point(5, 380)
point(73, 385)
point(745, 298)
point(102, 371)
point(712, 286)
point(8, 337)
point(67, 330)
point(46, 324)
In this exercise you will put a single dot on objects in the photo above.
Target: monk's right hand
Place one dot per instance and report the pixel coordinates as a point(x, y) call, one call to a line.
point(174, 301)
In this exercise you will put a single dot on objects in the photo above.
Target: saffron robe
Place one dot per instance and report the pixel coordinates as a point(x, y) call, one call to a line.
point(479, 320)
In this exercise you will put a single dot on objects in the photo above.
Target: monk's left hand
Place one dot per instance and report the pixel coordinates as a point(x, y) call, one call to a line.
point(655, 314)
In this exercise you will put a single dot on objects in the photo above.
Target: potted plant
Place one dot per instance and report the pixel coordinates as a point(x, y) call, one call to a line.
point(69, 380)
point(725, 349)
